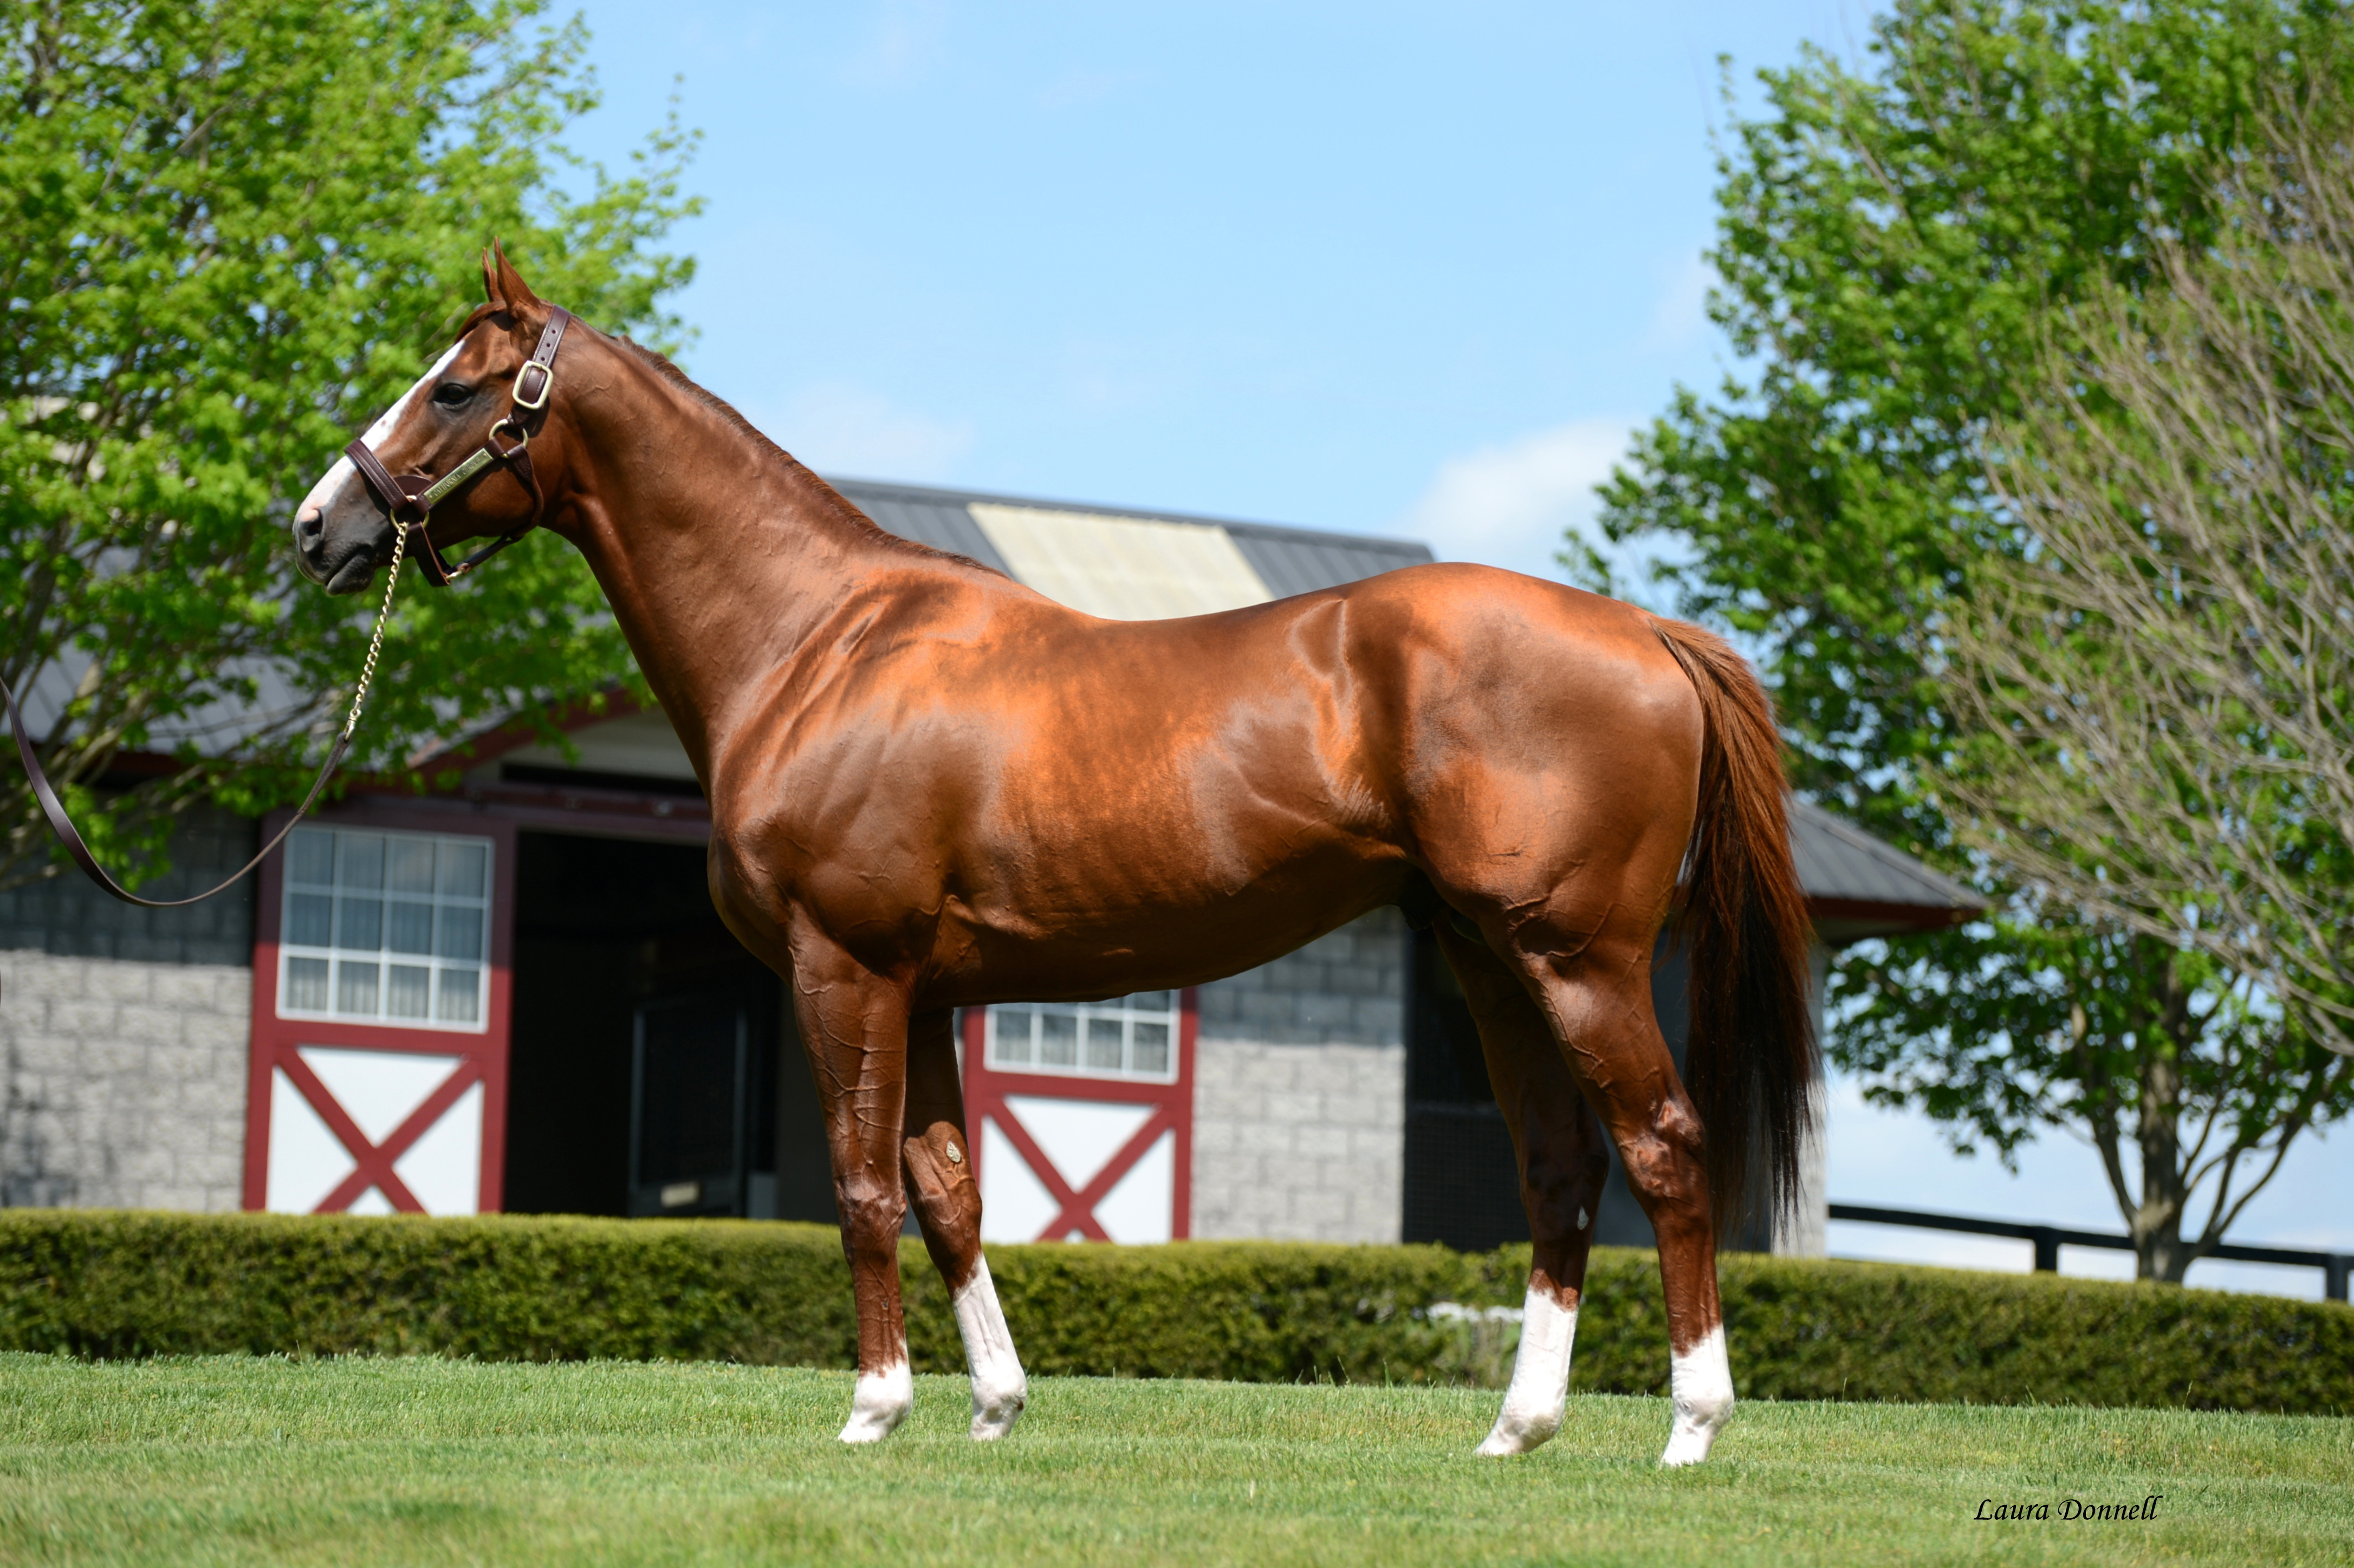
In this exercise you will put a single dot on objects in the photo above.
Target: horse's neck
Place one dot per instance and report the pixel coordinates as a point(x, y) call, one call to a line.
point(720, 555)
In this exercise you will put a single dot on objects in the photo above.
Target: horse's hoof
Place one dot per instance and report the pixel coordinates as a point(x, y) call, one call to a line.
point(1693, 1435)
point(995, 1411)
point(1518, 1434)
point(1685, 1449)
point(1701, 1383)
point(881, 1402)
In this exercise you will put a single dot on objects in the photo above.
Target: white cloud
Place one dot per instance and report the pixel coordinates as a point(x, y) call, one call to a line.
point(844, 429)
point(1508, 505)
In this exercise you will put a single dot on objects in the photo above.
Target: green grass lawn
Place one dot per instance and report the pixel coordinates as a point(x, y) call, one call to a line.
point(234, 1460)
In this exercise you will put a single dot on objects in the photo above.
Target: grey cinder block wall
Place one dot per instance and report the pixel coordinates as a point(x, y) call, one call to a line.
point(124, 1035)
point(1299, 1092)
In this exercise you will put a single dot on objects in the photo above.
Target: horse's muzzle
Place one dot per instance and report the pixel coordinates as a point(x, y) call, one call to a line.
point(309, 544)
point(332, 557)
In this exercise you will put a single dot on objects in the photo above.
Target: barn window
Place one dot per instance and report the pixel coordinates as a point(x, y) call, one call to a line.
point(385, 927)
point(1127, 1037)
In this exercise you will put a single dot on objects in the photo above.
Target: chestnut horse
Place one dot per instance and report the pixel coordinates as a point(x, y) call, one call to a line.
point(932, 787)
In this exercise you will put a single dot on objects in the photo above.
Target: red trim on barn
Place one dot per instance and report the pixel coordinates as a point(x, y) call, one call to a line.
point(481, 1056)
point(987, 1090)
point(488, 746)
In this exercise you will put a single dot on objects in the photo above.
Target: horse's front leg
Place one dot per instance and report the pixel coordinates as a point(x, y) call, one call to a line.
point(853, 1025)
point(948, 1206)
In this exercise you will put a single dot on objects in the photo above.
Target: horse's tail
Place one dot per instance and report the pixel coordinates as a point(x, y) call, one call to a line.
point(1750, 1061)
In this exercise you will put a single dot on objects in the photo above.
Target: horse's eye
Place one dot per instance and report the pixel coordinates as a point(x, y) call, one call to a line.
point(450, 395)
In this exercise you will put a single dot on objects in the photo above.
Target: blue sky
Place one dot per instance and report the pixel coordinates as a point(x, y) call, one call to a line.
point(1387, 268)
point(1384, 268)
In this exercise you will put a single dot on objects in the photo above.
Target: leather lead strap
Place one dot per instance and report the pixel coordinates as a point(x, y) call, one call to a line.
point(62, 825)
point(67, 834)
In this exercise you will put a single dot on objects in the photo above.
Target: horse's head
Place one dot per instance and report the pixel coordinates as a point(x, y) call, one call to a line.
point(478, 398)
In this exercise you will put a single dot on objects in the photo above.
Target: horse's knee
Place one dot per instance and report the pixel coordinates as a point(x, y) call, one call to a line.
point(873, 1212)
point(1584, 1173)
point(1563, 1188)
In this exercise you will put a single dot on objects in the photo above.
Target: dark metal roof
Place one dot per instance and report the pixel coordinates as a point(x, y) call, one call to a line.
point(1858, 886)
point(1292, 560)
point(1287, 560)
point(939, 518)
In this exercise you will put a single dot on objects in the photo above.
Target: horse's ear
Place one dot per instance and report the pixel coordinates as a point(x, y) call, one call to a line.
point(491, 262)
point(505, 285)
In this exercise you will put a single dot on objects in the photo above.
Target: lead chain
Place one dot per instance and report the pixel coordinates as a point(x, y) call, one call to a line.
point(375, 641)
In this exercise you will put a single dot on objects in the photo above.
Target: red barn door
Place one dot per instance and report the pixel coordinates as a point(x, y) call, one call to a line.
point(381, 985)
point(1081, 1117)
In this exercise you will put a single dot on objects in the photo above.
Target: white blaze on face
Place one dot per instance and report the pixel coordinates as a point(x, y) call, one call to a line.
point(1534, 1404)
point(1700, 1380)
point(335, 478)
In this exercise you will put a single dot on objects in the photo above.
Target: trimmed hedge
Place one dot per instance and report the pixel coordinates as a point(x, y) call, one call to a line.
point(117, 1284)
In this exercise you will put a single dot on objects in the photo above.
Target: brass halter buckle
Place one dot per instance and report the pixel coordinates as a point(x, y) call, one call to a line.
point(409, 500)
point(547, 385)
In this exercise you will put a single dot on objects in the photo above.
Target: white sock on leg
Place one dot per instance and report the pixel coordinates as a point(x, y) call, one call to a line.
point(881, 1402)
point(1540, 1387)
point(1000, 1389)
point(1701, 1380)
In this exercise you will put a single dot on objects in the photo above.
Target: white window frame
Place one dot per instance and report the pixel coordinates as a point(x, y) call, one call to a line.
point(437, 964)
point(1087, 1015)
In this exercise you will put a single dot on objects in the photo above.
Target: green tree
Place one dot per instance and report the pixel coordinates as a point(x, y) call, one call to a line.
point(2176, 1070)
point(1891, 240)
point(2156, 692)
point(236, 229)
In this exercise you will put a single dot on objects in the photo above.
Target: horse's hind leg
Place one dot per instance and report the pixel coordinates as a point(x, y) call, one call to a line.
point(948, 1206)
point(1602, 1010)
point(1562, 1165)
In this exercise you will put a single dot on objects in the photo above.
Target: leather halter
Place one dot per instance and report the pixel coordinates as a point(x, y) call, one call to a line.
point(409, 500)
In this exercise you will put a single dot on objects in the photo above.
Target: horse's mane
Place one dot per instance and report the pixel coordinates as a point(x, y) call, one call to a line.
point(840, 504)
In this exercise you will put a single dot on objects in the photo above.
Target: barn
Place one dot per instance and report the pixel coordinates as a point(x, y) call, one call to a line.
point(513, 995)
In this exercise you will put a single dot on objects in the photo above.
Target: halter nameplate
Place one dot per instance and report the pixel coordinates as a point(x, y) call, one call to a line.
point(482, 459)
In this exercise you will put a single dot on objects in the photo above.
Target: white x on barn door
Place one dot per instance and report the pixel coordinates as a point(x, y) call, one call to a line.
point(373, 1132)
point(1081, 1118)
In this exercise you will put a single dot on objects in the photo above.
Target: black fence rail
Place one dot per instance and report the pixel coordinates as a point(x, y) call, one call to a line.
point(2049, 1239)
